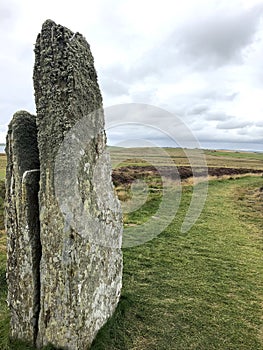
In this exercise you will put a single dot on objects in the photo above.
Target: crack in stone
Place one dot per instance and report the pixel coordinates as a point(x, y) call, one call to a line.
point(31, 181)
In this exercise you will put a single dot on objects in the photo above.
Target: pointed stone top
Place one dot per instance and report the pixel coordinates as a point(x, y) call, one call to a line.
point(48, 27)
point(52, 29)
point(48, 23)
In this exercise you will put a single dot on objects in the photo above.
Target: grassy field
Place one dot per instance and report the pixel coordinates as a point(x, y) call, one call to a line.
point(231, 159)
point(175, 157)
point(202, 290)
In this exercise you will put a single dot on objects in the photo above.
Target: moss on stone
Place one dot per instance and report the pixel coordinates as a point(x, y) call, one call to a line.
point(22, 226)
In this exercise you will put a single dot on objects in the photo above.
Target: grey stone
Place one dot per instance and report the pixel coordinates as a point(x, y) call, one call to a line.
point(22, 226)
point(80, 216)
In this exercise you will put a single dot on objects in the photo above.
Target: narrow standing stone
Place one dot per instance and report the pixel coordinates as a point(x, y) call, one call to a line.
point(22, 226)
point(80, 218)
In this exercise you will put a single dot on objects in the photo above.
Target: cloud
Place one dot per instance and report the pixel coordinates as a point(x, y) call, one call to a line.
point(7, 14)
point(198, 109)
point(202, 62)
point(183, 59)
point(218, 116)
point(207, 41)
point(211, 135)
point(114, 87)
point(217, 39)
point(233, 124)
point(254, 132)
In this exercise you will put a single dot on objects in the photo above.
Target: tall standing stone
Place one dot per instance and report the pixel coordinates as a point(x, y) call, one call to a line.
point(22, 226)
point(80, 218)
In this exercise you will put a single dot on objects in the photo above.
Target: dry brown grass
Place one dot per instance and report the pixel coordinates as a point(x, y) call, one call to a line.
point(2, 242)
point(2, 166)
point(227, 159)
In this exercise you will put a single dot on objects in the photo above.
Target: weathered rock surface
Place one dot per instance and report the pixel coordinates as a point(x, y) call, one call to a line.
point(80, 217)
point(22, 226)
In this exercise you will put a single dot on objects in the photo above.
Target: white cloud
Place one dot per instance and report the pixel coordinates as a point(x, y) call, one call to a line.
point(201, 60)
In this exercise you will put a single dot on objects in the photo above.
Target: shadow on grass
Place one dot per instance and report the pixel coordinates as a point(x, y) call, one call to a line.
point(113, 335)
point(3, 283)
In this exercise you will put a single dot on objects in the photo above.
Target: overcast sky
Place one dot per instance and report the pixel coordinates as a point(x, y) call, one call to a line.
point(199, 60)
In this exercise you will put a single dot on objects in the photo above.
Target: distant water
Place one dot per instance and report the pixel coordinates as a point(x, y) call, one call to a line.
point(2, 148)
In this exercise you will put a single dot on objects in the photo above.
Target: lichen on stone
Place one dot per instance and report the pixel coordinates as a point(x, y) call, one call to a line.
point(22, 226)
point(81, 266)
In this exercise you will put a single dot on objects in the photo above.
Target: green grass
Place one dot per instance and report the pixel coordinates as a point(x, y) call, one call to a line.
point(201, 290)
point(236, 154)
point(233, 159)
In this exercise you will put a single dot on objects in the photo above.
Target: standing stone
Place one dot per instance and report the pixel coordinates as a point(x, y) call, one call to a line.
point(22, 226)
point(80, 216)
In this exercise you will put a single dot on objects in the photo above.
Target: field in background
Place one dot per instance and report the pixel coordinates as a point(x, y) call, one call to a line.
point(2, 166)
point(230, 159)
point(197, 291)
point(122, 157)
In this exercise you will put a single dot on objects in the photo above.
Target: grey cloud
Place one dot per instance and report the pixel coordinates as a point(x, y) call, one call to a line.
point(197, 126)
point(218, 39)
point(228, 136)
point(217, 93)
point(198, 109)
point(114, 87)
point(255, 136)
point(6, 12)
point(254, 131)
point(231, 97)
point(138, 113)
point(218, 116)
point(133, 121)
point(138, 71)
point(114, 80)
point(233, 124)
point(211, 41)
point(8, 15)
point(208, 42)
point(143, 96)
